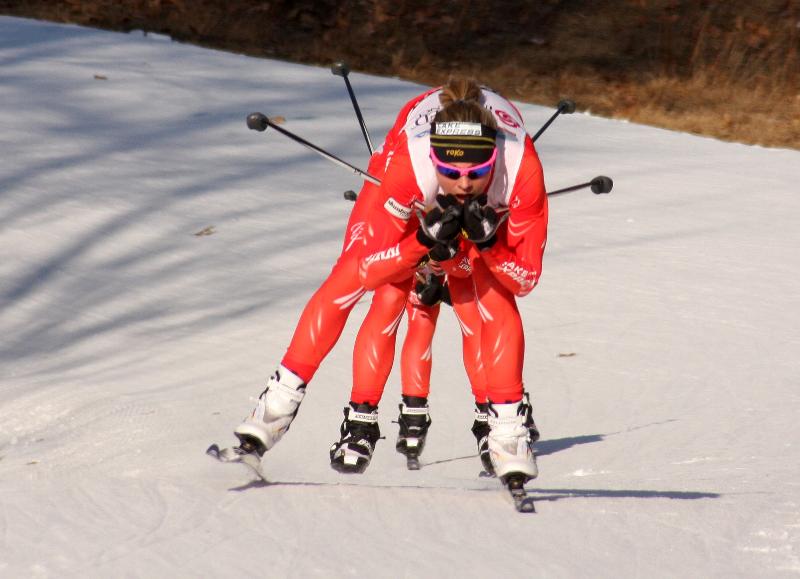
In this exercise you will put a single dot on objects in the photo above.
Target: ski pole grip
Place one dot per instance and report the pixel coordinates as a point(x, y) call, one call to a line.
point(566, 106)
point(257, 122)
point(601, 184)
point(340, 69)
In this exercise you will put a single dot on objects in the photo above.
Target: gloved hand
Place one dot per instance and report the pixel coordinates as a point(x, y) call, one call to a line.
point(430, 289)
point(442, 224)
point(444, 251)
point(480, 222)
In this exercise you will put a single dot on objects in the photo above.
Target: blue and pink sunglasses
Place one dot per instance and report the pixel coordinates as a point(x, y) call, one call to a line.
point(453, 172)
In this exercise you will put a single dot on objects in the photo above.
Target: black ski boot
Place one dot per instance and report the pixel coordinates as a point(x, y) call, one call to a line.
point(414, 421)
point(359, 434)
point(480, 428)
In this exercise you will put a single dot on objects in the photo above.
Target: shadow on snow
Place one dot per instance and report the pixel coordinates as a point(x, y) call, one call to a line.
point(541, 494)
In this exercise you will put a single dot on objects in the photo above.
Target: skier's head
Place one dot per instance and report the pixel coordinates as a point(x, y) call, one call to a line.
point(463, 135)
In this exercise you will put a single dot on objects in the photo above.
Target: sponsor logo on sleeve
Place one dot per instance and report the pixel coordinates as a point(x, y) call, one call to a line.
point(391, 253)
point(397, 209)
point(356, 234)
point(525, 278)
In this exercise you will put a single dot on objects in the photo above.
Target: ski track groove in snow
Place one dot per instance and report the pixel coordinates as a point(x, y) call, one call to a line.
point(661, 343)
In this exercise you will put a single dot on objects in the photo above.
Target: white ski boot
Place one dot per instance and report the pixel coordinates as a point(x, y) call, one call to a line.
point(510, 444)
point(276, 408)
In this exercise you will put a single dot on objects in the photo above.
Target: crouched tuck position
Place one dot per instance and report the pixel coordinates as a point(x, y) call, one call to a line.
point(462, 196)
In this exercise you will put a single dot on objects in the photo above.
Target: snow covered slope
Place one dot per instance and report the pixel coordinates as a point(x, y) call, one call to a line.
point(662, 342)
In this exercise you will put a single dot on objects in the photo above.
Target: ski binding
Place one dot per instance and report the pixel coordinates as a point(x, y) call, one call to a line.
point(523, 502)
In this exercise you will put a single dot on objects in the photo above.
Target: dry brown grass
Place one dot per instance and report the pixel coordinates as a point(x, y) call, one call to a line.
point(761, 114)
point(730, 69)
point(710, 69)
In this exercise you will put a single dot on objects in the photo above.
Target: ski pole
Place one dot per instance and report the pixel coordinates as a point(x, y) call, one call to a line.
point(565, 106)
point(341, 69)
point(260, 122)
point(600, 184)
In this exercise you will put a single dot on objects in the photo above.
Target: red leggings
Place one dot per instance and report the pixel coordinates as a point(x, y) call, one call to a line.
point(493, 339)
point(493, 343)
point(417, 354)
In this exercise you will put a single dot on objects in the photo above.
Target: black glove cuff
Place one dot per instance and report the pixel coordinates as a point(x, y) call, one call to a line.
point(424, 239)
point(486, 244)
point(446, 295)
point(442, 252)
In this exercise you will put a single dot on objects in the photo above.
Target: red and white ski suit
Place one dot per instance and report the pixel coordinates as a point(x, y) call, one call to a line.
point(381, 253)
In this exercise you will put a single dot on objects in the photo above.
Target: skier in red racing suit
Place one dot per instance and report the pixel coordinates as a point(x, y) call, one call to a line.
point(462, 192)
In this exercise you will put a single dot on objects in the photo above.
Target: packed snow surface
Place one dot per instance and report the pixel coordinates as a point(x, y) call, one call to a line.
point(155, 256)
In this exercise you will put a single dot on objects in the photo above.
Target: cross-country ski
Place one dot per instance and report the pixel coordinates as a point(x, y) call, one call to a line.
point(235, 454)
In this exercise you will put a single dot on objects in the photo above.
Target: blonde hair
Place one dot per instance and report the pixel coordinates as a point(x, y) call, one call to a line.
point(460, 99)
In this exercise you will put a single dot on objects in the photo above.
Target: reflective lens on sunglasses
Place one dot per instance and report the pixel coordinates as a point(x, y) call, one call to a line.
point(453, 172)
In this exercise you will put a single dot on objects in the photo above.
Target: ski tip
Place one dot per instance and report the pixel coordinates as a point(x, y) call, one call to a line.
point(227, 454)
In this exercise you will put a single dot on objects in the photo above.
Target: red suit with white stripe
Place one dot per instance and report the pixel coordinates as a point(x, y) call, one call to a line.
point(381, 253)
point(509, 268)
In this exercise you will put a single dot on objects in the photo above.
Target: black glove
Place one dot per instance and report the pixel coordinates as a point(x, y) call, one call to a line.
point(446, 294)
point(442, 224)
point(444, 251)
point(480, 222)
point(430, 290)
